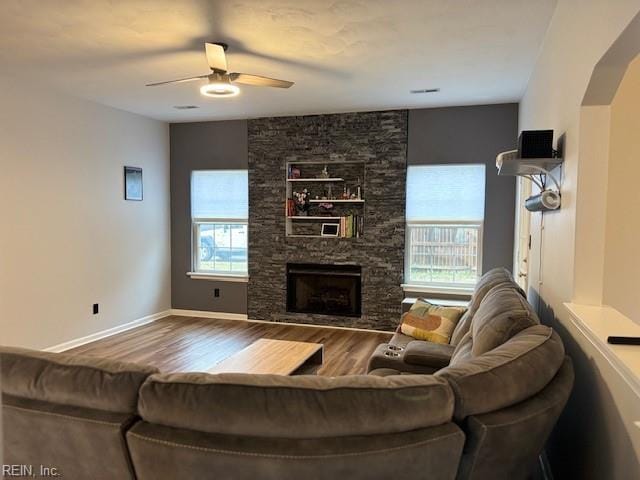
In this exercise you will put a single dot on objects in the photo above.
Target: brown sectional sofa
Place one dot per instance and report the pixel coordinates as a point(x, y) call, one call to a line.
point(91, 418)
point(486, 414)
point(509, 375)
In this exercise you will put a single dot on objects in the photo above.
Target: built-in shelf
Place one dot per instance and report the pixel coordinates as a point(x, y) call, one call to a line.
point(315, 179)
point(307, 217)
point(326, 162)
point(322, 236)
point(351, 200)
point(308, 236)
point(337, 178)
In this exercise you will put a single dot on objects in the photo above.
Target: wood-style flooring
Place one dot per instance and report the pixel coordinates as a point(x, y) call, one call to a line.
point(186, 344)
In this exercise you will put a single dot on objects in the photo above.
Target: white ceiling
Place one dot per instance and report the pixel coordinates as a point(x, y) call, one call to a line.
point(344, 55)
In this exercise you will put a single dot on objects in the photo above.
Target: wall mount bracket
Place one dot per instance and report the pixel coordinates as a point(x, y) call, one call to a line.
point(508, 163)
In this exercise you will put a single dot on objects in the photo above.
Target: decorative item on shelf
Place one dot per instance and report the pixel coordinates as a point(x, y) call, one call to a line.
point(326, 206)
point(294, 172)
point(325, 172)
point(359, 190)
point(329, 230)
point(302, 202)
point(329, 195)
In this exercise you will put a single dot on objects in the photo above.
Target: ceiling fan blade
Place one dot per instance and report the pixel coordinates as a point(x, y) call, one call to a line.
point(258, 80)
point(180, 80)
point(216, 57)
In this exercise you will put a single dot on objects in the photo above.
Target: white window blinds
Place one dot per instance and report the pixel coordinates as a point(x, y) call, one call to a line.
point(220, 194)
point(445, 193)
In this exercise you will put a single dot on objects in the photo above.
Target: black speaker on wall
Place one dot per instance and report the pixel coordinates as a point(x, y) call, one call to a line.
point(535, 144)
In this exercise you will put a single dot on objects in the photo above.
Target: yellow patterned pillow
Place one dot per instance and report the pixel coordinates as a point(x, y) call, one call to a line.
point(434, 323)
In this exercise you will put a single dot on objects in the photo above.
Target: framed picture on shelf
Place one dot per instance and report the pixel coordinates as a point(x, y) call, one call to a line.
point(133, 183)
point(329, 230)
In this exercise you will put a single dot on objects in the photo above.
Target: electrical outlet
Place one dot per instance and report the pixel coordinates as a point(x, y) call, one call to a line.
point(216, 292)
point(96, 308)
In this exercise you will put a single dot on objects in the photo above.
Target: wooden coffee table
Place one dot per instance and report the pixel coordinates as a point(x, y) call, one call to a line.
point(281, 357)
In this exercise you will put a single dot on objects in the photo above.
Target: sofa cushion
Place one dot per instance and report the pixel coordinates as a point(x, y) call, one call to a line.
point(295, 407)
point(508, 374)
point(502, 313)
point(79, 442)
point(431, 354)
point(463, 350)
point(496, 276)
point(160, 452)
point(434, 323)
point(72, 380)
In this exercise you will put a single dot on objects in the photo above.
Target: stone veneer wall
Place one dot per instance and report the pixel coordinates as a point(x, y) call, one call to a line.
point(380, 139)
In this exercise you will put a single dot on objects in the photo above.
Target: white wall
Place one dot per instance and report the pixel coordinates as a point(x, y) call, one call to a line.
point(621, 260)
point(596, 436)
point(67, 237)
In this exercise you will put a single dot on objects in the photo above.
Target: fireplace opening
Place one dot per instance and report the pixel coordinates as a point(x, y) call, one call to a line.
point(324, 289)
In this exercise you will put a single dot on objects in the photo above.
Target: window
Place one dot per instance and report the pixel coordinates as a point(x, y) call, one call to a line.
point(445, 213)
point(219, 213)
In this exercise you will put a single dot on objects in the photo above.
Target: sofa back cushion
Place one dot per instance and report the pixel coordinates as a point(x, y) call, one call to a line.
point(68, 412)
point(295, 407)
point(502, 313)
point(496, 276)
point(506, 375)
point(72, 380)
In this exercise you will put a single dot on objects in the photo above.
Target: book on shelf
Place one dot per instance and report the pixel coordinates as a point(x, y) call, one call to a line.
point(351, 226)
point(291, 207)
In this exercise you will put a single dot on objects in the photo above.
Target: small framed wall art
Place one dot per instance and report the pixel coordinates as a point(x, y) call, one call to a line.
point(133, 183)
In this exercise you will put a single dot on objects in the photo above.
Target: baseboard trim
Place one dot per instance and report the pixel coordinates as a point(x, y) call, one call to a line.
point(77, 342)
point(206, 314)
point(243, 317)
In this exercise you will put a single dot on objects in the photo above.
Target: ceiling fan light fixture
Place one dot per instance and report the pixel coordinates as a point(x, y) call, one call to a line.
point(219, 89)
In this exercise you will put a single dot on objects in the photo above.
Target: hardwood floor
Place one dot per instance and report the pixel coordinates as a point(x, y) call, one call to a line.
point(186, 344)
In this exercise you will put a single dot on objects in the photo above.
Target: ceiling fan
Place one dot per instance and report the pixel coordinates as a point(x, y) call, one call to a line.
point(222, 83)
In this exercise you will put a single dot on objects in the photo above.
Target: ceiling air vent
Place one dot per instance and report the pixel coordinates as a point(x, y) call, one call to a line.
point(185, 107)
point(425, 90)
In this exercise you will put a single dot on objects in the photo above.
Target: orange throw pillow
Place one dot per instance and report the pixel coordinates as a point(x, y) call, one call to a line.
point(434, 323)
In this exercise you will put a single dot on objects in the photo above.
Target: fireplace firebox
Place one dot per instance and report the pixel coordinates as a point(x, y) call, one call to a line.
point(324, 289)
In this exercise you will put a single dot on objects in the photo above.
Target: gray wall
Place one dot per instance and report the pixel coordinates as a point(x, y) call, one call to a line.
point(201, 146)
point(440, 135)
point(474, 134)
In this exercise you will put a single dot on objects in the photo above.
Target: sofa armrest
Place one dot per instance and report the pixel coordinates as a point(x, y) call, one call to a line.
point(436, 355)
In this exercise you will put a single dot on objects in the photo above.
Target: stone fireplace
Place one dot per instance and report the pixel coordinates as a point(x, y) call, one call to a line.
point(379, 141)
point(324, 289)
